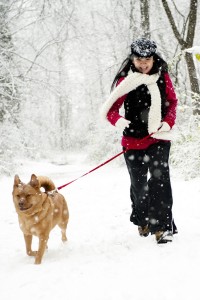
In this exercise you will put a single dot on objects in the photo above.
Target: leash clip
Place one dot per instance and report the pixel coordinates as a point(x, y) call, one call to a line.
point(50, 193)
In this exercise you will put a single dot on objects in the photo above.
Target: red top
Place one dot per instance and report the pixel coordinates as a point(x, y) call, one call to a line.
point(171, 104)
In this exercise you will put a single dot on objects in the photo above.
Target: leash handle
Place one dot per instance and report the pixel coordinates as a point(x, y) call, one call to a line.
point(104, 163)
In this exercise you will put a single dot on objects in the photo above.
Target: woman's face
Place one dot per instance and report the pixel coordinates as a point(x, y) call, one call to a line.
point(142, 64)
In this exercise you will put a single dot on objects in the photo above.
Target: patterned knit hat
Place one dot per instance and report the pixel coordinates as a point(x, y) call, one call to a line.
point(143, 48)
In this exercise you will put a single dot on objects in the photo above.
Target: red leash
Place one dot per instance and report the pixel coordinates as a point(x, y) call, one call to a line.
point(104, 163)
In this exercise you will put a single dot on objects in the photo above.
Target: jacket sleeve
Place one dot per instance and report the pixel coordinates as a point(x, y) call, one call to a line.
point(171, 102)
point(113, 114)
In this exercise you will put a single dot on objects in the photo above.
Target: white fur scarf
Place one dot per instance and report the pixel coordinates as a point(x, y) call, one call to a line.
point(131, 82)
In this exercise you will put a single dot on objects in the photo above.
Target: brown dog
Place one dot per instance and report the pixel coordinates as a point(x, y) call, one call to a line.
point(39, 212)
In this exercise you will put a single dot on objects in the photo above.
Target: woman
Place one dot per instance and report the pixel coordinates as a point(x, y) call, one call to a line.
point(146, 91)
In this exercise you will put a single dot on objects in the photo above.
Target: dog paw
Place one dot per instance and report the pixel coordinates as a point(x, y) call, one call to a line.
point(64, 239)
point(31, 253)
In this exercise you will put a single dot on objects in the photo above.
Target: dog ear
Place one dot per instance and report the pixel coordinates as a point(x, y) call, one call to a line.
point(17, 181)
point(34, 182)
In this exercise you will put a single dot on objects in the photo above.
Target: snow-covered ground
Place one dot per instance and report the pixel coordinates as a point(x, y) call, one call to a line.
point(104, 258)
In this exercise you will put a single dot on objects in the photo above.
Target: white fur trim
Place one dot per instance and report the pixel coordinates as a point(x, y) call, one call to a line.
point(131, 82)
point(154, 117)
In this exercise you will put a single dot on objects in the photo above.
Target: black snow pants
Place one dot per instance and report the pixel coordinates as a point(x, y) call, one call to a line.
point(150, 190)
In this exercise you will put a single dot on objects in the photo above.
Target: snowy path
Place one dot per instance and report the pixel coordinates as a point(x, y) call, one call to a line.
point(104, 258)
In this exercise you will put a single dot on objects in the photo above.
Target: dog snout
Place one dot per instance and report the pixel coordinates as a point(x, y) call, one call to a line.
point(21, 202)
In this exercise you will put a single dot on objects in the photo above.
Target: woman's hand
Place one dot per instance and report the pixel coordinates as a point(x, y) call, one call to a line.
point(122, 123)
point(164, 127)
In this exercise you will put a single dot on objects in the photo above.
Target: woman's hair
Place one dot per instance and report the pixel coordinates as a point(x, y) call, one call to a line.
point(159, 65)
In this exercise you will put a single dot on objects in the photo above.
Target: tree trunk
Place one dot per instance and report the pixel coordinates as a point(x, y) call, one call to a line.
point(193, 80)
point(132, 26)
point(190, 24)
point(144, 8)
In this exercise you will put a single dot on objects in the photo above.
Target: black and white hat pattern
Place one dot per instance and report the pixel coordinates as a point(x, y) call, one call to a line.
point(143, 47)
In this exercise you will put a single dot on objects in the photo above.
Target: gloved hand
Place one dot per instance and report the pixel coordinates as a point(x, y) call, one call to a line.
point(164, 127)
point(122, 123)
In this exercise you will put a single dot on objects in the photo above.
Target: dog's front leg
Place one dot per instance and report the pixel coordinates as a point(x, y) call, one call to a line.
point(42, 247)
point(28, 242)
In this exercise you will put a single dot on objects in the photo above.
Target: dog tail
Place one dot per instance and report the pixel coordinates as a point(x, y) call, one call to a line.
point(46, 183)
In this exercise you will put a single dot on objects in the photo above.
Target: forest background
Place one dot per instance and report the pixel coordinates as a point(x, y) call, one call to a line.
point(58, 60)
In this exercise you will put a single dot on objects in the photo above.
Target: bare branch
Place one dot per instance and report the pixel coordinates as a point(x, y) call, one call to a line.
point(192, 23)
point(173, 24)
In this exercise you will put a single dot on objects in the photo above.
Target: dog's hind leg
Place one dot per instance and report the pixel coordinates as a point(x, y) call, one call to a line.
point(64, 237)
point(63, 227)
point(28, 242)
point(64, 221)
